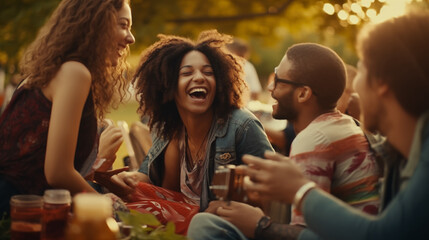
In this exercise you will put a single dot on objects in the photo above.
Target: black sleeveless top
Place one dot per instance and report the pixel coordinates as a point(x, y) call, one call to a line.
point(23, 138)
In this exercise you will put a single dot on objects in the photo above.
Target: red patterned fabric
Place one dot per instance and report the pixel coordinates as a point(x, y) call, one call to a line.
point(23, 136)
point(166, 205)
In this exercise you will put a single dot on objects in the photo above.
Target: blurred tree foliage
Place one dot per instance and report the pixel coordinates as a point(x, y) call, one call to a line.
point(19, 22)
point(269, 26)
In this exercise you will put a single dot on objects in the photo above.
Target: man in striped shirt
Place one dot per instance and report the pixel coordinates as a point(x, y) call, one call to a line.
point(330, 147)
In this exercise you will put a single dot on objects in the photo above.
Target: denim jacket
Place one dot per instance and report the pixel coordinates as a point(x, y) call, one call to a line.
point(240, 134)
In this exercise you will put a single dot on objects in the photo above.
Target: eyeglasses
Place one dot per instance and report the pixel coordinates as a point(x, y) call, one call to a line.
point(287, 81)
point(277, 80)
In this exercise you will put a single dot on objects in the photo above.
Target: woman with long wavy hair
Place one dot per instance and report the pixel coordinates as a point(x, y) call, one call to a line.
point(192, 92)
point(70, 74)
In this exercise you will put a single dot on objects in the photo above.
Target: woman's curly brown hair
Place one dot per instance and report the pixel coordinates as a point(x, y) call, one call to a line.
point(80, 30)
point(156, 79)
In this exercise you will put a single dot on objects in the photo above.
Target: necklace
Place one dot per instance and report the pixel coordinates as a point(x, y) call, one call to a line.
point(198, 157)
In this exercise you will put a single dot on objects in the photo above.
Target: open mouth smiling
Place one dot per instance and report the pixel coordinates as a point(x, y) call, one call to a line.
point(200, 93)
point(121, 50)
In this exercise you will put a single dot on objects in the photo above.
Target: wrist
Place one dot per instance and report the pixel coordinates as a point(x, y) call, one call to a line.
point(300, 194)
point(263, 224)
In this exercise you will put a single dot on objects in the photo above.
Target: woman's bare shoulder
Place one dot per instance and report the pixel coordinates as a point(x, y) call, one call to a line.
point(74, 69)
point(72, 76)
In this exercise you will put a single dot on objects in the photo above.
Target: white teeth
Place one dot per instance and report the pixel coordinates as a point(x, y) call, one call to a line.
point(198, 90)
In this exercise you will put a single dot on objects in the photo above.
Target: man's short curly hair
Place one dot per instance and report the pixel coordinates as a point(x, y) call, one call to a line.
point(156, 79)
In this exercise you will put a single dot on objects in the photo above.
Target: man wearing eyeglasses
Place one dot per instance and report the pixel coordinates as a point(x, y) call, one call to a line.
point(330, 148)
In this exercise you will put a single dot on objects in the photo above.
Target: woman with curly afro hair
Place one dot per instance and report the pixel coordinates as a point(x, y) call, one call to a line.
point(193, 92)
point(70, 74)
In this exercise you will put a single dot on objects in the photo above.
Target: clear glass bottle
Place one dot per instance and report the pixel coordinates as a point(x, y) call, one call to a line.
point(92, 218)
point(56, 209)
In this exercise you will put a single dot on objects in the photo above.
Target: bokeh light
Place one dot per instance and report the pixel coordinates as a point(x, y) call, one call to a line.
point(357, 11)
point(328, 9)
point(343, 15)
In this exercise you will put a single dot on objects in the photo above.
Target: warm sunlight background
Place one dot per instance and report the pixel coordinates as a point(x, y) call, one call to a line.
point(354, 13)
point(349, 13)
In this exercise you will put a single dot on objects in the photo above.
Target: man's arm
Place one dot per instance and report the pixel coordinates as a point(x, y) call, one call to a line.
point(278, 231)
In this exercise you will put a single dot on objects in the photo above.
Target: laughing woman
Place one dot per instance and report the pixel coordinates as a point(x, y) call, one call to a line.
point(193, 93)
point(70, 73)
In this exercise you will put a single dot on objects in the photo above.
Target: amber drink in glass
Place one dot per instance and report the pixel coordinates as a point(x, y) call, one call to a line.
point(56, 208)
point(26, 217)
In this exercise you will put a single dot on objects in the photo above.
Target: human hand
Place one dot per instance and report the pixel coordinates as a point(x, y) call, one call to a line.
point(245, 217)
point(275, 178)
point(214, 205)
point(110, 141)
point(127, 181)
point(104, 179)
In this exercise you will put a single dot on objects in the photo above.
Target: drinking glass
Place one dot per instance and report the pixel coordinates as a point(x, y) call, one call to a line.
point(56, 209)
point(26, 217)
